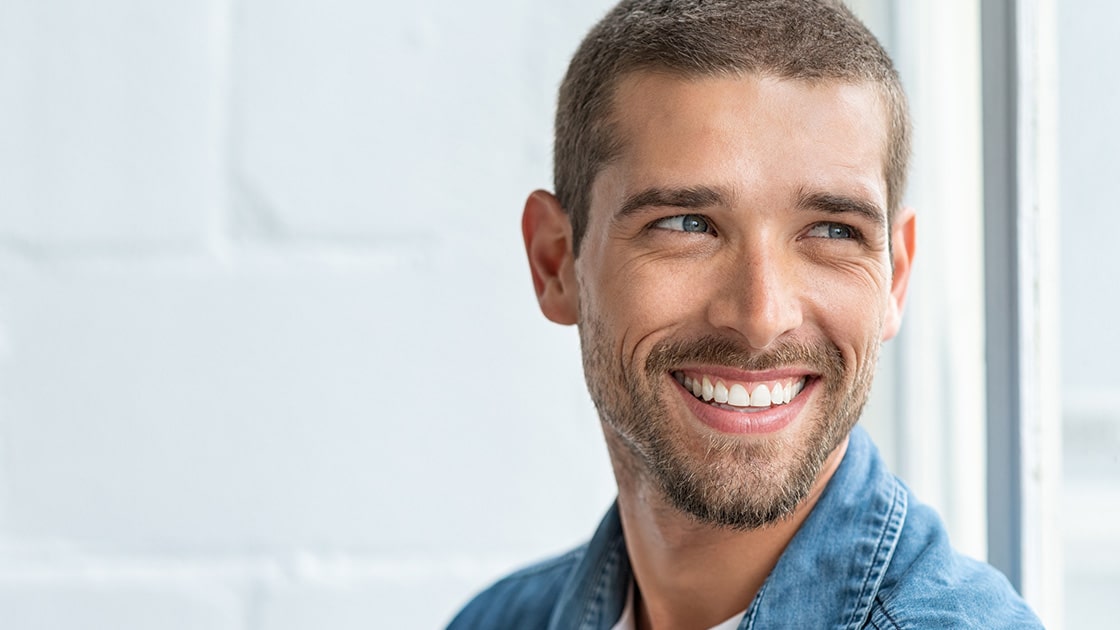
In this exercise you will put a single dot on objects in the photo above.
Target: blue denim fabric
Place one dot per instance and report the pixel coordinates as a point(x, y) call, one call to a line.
point(868, 556)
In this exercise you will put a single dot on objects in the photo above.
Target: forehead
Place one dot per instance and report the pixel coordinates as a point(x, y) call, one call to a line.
point(747, 133)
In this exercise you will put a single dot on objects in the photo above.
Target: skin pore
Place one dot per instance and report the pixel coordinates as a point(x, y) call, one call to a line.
point(741, 237)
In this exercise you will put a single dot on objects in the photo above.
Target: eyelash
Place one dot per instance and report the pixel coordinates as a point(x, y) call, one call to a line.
point(854, 233)
point(710, 229)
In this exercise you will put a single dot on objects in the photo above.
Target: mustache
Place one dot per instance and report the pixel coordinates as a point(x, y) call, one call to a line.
point(824, 358)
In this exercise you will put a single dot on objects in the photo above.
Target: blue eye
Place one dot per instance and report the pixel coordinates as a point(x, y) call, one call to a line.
point(833, 230)
point(685, 223)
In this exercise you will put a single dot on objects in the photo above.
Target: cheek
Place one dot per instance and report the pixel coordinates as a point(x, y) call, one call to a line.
point(645, 298)
point(850, 305)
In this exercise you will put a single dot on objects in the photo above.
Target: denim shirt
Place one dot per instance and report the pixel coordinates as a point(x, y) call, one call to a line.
point(868, 556)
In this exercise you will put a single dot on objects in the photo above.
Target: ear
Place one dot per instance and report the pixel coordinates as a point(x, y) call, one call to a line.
point(902, 256)
point(548, 244)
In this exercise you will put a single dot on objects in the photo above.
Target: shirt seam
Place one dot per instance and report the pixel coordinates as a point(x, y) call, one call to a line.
point(594, 605)
point(886, 613)
point(862, 612)
point(752, 612)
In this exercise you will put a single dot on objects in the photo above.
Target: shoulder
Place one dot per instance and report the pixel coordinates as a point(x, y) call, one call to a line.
point(930, 585)
point(524, 599)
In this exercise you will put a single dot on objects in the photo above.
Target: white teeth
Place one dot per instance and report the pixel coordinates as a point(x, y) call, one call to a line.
point(760, 397)
point(737, 396)
point(720, 392)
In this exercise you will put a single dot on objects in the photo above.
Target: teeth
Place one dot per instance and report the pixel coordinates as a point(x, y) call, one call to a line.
point(720, 392)
point(737, 396)
point(760, 397)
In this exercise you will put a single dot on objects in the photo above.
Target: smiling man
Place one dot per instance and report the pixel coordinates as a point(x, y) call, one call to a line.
point(727, 233)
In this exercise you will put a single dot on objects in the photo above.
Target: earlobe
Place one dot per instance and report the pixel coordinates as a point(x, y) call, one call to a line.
point(902, 257)
point(548, 244)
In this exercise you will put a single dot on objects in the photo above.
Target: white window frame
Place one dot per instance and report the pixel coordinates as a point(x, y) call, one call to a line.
point(1019, 46)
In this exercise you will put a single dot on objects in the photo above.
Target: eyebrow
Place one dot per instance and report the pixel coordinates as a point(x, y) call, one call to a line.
point(689, 198)
point(842, 204)
point(698, 197)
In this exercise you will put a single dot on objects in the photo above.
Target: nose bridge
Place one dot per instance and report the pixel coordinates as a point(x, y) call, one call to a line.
point(759, 296)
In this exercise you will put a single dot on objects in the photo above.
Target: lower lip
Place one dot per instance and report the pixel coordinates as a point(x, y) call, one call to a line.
point(770, 420)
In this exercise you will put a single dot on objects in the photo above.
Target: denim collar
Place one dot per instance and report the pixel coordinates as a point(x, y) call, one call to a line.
point(828, 576)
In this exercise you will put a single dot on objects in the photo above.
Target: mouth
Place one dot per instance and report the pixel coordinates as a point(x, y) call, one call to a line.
point(741, 396)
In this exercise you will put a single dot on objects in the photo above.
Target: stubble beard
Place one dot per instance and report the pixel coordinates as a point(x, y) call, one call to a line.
point(727, 482)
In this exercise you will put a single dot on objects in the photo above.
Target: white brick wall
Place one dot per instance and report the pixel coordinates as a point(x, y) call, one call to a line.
point(110, 119)
point(269, 355)
point(125, 605)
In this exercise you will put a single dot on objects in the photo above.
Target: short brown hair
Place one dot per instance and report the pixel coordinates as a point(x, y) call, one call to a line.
point(791, 39)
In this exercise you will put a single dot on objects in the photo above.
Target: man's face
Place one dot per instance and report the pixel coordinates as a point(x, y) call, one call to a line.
point(735, 284)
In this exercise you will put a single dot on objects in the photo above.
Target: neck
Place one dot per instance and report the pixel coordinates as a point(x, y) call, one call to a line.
point(690, 574)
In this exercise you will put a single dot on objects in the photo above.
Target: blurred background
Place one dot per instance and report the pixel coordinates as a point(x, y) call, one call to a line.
point(269, 353)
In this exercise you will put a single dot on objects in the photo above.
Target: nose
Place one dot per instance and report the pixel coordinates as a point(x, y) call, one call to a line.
point(758, 297)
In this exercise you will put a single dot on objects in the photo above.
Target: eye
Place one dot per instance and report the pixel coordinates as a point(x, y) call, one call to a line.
point(685, 223)
point(833, 230)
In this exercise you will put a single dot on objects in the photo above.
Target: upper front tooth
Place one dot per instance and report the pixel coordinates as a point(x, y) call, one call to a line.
point(720, 392)
point(706, 389)
point(737, 396)
point(760, 397)
point(777, 395)
point(697, 387)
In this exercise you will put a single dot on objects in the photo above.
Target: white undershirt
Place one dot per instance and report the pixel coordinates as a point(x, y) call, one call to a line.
point(626, 621)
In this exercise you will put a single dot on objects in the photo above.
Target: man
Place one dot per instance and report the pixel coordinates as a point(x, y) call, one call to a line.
point(727, 234)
